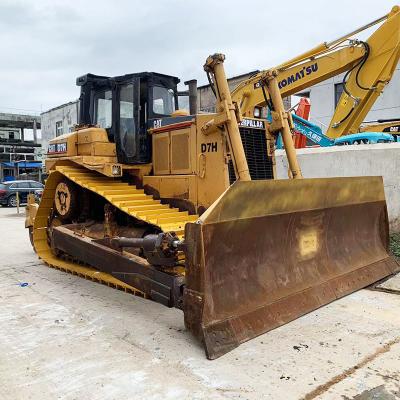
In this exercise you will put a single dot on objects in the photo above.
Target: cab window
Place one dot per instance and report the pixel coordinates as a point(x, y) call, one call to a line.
point(103, 109)
point(163, 100)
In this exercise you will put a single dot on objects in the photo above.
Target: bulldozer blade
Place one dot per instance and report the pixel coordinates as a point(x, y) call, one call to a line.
point(267, 252)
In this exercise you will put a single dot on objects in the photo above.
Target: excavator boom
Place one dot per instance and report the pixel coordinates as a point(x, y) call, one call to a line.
point(369, 64)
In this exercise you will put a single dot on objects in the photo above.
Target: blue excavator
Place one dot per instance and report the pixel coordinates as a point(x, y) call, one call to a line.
point(314, 134)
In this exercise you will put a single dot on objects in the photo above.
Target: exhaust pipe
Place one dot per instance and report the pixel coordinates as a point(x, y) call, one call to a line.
point(192, 84)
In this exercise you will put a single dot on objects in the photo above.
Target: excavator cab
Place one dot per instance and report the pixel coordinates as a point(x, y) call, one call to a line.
point(123, 105)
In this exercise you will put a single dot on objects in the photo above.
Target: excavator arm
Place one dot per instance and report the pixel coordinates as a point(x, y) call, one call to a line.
point(369, 64)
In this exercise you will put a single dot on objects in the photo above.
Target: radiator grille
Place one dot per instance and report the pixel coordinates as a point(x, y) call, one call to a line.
point(255, 148)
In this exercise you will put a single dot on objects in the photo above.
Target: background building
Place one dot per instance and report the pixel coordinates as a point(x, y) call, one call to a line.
point(58, 120)
point(19, 158)
point(206, 97)
point(9, 133)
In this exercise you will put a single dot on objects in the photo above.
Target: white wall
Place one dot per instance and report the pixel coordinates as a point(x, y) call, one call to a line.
point(363, 160)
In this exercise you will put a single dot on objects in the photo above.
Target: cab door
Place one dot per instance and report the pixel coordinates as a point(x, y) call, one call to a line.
point(127, 132)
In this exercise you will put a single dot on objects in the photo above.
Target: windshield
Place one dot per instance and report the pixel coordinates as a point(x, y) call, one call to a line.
point(163, 100)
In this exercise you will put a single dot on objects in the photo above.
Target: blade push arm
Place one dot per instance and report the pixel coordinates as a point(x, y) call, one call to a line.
point(229, 117)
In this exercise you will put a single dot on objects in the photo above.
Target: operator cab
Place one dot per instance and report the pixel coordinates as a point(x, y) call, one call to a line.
point(124, 105)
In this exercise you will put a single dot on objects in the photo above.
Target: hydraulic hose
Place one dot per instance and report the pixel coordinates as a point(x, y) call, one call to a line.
point(358, 65)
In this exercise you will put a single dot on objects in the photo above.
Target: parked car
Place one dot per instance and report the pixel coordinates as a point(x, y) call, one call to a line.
point(8, 192)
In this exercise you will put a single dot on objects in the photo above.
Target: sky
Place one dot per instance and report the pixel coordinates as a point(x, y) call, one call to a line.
point(46, 44)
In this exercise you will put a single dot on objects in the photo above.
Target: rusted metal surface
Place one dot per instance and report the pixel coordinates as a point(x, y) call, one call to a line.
point(268, 252)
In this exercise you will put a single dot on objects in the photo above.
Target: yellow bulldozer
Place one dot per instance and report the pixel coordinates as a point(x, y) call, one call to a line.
point(185, 209)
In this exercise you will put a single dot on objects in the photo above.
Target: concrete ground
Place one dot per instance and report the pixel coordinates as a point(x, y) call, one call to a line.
point(63, 337)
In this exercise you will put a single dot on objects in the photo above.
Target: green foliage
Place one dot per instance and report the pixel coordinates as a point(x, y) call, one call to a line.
point(395, 244)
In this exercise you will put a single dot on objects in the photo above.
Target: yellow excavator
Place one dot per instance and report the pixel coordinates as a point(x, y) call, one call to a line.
point(389, 125)
point(368, 65)
point(185, 209)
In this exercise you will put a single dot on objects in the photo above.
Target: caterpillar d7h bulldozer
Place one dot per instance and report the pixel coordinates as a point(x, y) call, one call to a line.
point(185, 210)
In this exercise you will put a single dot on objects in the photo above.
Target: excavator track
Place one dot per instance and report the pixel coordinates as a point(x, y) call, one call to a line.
point(128, 198)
